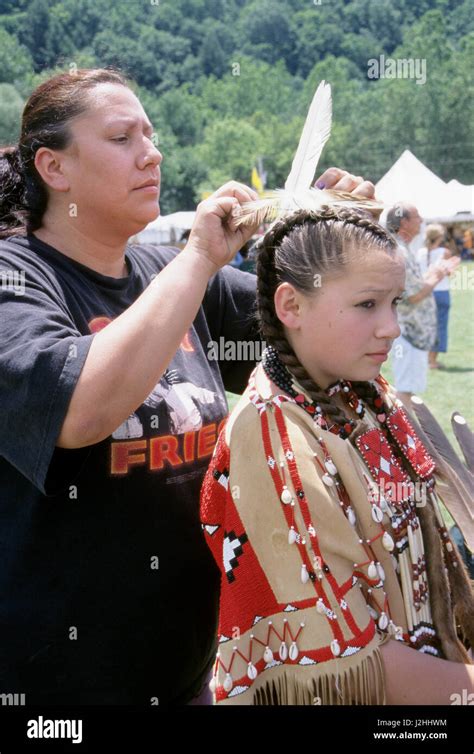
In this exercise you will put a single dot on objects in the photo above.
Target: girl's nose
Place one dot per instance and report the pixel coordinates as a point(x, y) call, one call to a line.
point(389, 327)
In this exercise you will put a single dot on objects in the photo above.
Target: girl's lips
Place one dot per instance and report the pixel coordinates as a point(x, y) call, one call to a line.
point(378, 356)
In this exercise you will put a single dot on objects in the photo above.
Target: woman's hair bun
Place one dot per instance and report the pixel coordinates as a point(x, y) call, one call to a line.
point(12, 190)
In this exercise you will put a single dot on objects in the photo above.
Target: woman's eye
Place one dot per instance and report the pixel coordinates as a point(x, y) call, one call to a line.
point(397, 300)
point(121, 139)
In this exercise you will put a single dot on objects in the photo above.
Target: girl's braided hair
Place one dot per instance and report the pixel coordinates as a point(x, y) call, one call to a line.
point(296, 249)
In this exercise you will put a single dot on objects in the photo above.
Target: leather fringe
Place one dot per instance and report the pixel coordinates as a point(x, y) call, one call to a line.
point(336, 682)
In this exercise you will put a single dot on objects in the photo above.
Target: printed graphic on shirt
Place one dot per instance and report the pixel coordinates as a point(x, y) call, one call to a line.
point(183, 402)
point(164, 451)
point(184, 414)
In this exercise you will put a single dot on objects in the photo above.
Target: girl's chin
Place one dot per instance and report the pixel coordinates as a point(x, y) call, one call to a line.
point(364, 375)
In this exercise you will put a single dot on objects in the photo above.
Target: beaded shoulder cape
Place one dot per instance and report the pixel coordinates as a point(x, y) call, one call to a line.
point(320, 549)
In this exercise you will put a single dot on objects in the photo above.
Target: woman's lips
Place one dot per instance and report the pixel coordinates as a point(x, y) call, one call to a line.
point(149, 189)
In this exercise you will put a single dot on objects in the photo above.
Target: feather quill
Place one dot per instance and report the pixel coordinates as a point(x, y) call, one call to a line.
point(298, 193)
point(465, 438)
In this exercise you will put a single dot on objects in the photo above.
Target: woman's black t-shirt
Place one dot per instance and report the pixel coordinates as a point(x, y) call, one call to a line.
point(105, 578)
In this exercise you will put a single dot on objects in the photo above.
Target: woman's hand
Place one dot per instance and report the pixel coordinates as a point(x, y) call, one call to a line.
point(214, 235)
point(340, 180)
point(447, 266)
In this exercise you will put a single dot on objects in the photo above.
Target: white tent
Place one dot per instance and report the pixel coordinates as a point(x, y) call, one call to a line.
point(408, 180)
point(167, 228)
point(462, 197)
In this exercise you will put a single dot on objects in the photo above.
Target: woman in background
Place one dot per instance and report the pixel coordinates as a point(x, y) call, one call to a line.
point(428, 256)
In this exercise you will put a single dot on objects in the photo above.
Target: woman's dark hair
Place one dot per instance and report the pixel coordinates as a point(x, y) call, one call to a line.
point(302, 249)
point(45, 123)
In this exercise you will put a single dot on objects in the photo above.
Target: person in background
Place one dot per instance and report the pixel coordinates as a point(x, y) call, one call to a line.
point(417, 308)
point(468, 243)
point(248, 257)
point(428, 256)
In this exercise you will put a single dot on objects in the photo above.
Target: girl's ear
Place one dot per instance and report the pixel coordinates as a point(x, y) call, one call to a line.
point(288, 305)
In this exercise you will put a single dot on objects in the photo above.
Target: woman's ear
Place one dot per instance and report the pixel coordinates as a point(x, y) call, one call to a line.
point(287, 302)
point(50, 169)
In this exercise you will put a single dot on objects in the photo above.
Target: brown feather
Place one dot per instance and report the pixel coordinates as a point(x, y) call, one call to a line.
point(279, 203)
point(463, 597)
point(455, 489)
point(438, 438)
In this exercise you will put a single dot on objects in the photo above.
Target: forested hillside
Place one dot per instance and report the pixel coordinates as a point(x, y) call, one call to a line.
point(228, 82)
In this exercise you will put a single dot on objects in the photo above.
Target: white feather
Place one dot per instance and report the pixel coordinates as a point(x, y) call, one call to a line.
point(316, 132)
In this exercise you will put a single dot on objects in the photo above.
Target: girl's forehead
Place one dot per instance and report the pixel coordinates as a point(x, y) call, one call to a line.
point(375, 268)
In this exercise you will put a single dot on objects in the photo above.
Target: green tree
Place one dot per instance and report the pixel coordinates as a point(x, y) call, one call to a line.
point(11, 108)
point(36, 31)
point(229, 151)
point(211, 56)
point(266, 32)
point(317, 36)
point(15, 59)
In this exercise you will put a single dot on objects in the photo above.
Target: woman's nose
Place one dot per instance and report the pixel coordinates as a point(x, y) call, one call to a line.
point(152, 154)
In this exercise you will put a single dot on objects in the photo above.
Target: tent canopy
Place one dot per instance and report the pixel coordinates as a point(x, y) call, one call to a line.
point(409, 181)
point(167, 228)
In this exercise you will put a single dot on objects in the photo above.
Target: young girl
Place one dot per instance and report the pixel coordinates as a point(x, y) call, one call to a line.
point(320, 504)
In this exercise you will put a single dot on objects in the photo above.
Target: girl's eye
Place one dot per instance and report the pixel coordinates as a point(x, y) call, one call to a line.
point(371, 304)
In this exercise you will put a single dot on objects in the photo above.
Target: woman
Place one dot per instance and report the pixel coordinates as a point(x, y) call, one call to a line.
point(429, 256)
point(321, 504)
point(110, 404)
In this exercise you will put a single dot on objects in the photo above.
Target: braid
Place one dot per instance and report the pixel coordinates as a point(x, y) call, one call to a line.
point(268, 279)
point(275, 264)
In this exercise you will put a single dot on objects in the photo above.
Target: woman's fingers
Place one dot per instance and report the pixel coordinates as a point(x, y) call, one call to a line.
point(365, 189)
point(233, 188)
point(348, 183)
point(330, 177)
point(340, 180)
